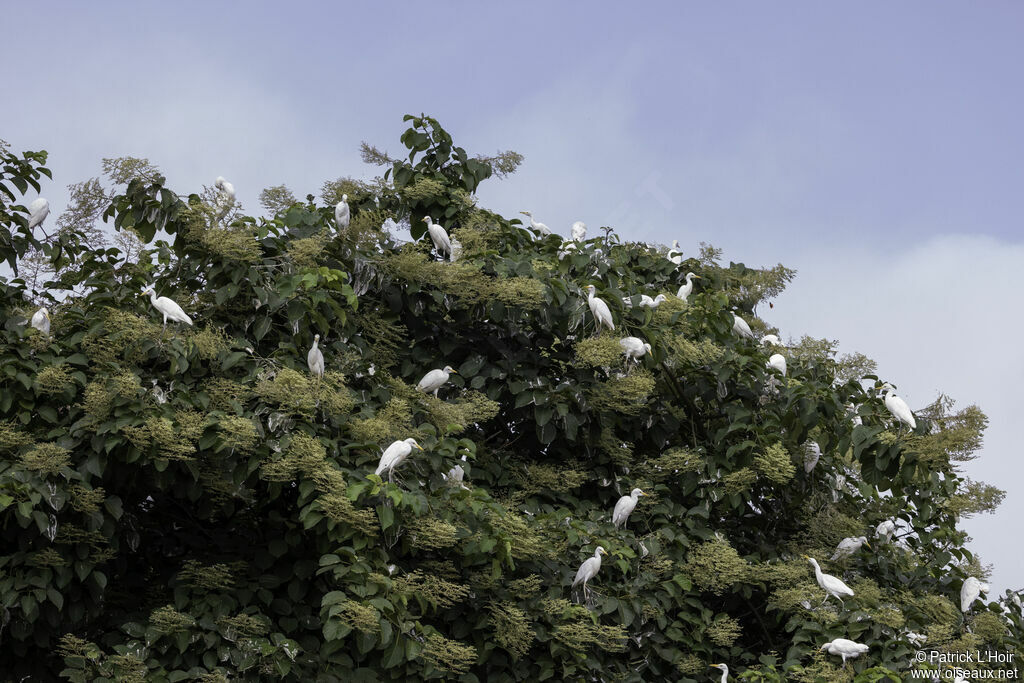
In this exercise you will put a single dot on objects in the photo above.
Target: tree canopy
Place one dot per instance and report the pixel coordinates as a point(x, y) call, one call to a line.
point(194, 504)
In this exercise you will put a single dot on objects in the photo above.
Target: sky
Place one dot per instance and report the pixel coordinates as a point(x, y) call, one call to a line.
point(874, 147)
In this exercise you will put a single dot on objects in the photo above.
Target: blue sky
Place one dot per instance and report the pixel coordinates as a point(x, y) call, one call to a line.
point(875, 147)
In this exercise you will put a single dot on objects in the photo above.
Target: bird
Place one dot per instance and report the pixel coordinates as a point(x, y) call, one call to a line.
point(971, 591)
point(771, 339)
point(434, 380)
point(394, 454)
point(539, 227)
point(847, 649)
point(740, 327)
point(725, 671)
point(315, 358)
point(600, 309)
point(38, 210)
point(224, 186)
point(777, 361)
point(41, 320)
point(648, 302)
point(456, 473)
point(440, 237)
point(685, 290)
point(634, 347)
point(171, 310)
point(811, 456)
point(589, 569)
point(674, 254)
point(624, 508)
point(855, 418)
point(830, 584)
point(848, 546)
point(898, 407)
point(885, 530)
point(342, 215)
point(579, 231)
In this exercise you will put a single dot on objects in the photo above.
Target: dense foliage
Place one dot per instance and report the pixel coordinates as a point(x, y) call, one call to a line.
point(194, 505)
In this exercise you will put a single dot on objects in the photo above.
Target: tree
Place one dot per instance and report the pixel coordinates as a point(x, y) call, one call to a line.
point(195, 504)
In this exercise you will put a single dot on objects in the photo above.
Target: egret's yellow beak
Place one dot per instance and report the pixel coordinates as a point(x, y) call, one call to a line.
point(603, 551)
point(455, 372)
point(47, 314)
point(642, 493)
point(419, 447)
point(697, 277)
point(867, 544)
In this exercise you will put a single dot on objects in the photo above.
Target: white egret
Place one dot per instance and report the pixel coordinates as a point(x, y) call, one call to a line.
point(38, 210)
point(170, 310)
point(771, 339)
point(848, 546)
point(740, 327)
point(675, 255)
point(342, 214)
point(812, 455)
point(898, 407)
point(916, 639)
point(847, 649)
point(971, 591)
point(648, 302)
point(885, 530)
point(624, 508)
point(579, 231)
point(589, 569)
point(634, 347)
point(41, 320)
point(777, 361)
point(394, 454)
point(440, 237)
point(600, 309)
point(830, 584)
point(725, 672)
point(224, 186)
point(687, 289)
point(539, 227)
point(315, 358)
point(434, 380)
point(855, 418)
point(456, 473)
point(567, 248)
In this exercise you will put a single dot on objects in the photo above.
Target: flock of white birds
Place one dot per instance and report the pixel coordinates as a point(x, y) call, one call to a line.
point(633, 348)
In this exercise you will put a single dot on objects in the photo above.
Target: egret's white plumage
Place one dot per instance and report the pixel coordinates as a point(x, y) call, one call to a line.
point(777, 361)
point(898, 407)
point(634, 347)
point(600, 309)
point(771, 339)
point(539, 227)
point(170, 310)
point(675, 255)
point(41, 320)
point(971, 591)
point(342, 214)
point(812, 454)
point(224, 186)
point(589, 568)
point(38, 210)
point(394, 454)
point(456, 473)
point(724, 668)
point(847, 649)
point(315, 358)
point(579, 231)
point(848, 546)
point(855, 418)
point(439, 236)
point(830, 584)
point(885, 530)
point(740, 327)
point(434, 380)
point(687, 289)
point(624, 508)
point(648, 302)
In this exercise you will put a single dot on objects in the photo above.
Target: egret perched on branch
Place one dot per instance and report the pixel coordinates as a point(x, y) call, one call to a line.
point(848, 546)
point(600, 309)
point(315, 358)
point(434, 380)
point(171, 310)
point(725, 671)
point(847, 649)
point(685, 290)
point(393, 456)
point(342, 214)
point(41, 320)
point(674, 254)
point(624, 508)
point(777, 361)
point(634, 347)
point(885, 530)
point(812, 455)
point(771, 339)
point(589, 569)
point(830, 584)
point(539, 227)
point(898, 407)
point(38, 210)
point(740, 327)
point(971, 591)
point(648, 302)
point(224, 186)
point(440, 237)
point(579, 231)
